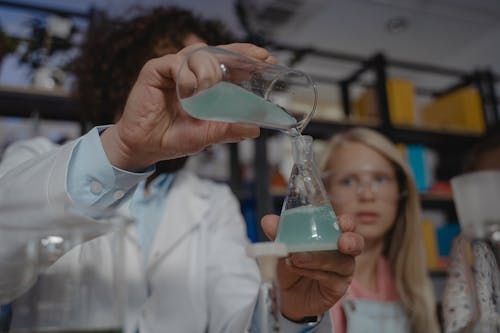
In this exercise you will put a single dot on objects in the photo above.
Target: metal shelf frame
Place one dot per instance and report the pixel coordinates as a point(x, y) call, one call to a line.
point(448, 143)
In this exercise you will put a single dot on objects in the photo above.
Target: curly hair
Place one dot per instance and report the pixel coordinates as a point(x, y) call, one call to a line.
point(115, 49)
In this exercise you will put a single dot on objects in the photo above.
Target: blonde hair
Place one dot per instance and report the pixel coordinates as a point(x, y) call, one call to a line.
point(404, 246)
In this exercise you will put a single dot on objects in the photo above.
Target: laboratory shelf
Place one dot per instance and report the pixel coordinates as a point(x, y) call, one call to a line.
point(409, 135)
point(25, 103)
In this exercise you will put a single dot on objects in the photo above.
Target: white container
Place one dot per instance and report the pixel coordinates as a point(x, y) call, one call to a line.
point(477, 200)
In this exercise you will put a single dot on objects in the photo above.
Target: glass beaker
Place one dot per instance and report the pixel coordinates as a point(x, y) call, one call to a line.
point(307, 221)
point(62, 271)
point(476, 197)
point(217, 84)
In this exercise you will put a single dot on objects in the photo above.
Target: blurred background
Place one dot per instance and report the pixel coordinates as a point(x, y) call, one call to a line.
point(424, 72)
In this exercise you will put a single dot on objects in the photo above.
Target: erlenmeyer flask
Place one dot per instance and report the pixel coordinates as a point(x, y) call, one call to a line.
point(307, 222)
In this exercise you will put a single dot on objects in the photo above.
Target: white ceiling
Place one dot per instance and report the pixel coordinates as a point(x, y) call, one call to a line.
point(462, 34)
point(459, 33)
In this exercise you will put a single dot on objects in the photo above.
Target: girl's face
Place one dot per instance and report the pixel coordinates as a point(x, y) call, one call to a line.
point(363, 184)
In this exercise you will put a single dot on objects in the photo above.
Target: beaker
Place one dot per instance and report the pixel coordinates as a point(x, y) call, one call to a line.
point(63, 271)
point(307, 221)
point(476, 196)
point(216, 84)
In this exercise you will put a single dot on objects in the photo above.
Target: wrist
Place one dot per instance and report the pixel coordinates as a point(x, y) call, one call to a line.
point(121, 155)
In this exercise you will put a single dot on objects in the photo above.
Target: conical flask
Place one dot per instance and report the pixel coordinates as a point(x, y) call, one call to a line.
point(307, 222)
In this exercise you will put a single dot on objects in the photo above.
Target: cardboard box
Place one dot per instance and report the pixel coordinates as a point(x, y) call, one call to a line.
point(460, 110)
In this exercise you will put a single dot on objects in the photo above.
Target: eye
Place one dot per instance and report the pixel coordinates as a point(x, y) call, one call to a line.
point(382, 179)
point(347, 181)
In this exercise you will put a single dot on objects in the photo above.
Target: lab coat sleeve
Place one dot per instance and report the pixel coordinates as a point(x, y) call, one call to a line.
point(92, 181)
point(34, 172)
point(32, 180)
point(232, 277)
point(39, 173)
point(34, 175)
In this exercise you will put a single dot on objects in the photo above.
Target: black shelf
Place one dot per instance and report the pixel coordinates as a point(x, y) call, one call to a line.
point(429, 200)
point(432, 138)
point(438, 274)
point(436, 139)
point(443, 203)
point(325, 129)
point(44, 9)
point(25, 103)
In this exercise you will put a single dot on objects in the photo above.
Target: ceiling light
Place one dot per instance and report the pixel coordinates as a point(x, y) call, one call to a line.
point(396, 25)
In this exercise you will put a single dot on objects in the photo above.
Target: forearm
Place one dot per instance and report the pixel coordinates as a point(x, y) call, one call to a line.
point(31, 186)
point(38, 184)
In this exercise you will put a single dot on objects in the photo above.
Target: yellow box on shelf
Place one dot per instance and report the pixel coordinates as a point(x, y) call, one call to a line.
point(401, 96)
point(401, 100)
point(365, 107)
point(459, 110)
point(431, 244)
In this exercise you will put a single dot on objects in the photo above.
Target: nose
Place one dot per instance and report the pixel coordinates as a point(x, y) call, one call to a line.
point(366, 190)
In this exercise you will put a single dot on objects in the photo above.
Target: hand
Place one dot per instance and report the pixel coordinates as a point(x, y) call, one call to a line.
point(154, 126)
point(310, 283)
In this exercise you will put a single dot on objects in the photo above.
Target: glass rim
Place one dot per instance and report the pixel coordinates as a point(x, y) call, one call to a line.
point(304, 121)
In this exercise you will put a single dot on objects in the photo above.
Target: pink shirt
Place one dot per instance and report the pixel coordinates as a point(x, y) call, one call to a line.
point(386, 292)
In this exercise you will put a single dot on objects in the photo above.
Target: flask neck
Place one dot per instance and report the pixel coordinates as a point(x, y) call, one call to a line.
point(302, 149)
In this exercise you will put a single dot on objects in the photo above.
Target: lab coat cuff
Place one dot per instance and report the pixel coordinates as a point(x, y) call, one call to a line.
point(92, 179)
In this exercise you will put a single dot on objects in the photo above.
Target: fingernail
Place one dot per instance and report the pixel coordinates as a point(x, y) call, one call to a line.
point(288, 262)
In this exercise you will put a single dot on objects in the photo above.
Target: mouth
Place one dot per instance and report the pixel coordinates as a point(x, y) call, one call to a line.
point(367, 217)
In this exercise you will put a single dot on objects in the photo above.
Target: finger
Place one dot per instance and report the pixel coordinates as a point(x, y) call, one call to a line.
point(187, 50)
point(240, 132)
point(346, 223)
point(205, 66)
point(249, 50)
point(271, 60)
point(327, 261)
point(161, 72)
point(187, 83)
point(221, 132)
point(351, 243)
point(270, 224)
point(286, 275)
point(332, 280)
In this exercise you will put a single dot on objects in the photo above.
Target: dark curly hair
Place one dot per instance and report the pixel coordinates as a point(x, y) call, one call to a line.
point(115, 49)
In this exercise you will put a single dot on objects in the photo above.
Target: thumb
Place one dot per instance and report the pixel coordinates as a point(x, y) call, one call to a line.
point(270, 224)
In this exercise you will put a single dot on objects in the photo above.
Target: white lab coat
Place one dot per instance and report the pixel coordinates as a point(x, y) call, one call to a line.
point(198, 274)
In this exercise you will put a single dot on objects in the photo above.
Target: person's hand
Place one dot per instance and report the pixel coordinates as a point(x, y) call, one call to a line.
point(154, 126)
point(310, 283)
